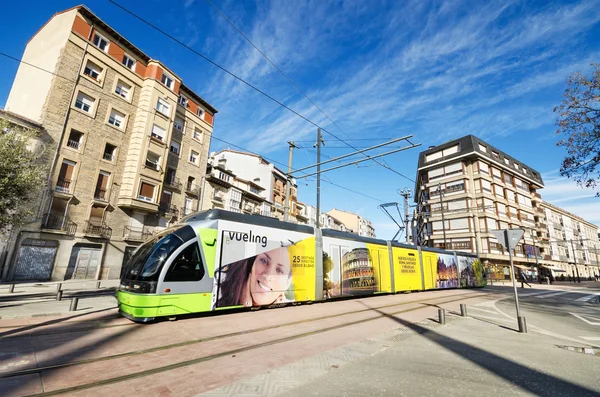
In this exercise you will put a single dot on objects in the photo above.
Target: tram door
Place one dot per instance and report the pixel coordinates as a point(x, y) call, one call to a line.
point(333, 278)
point(430, 272)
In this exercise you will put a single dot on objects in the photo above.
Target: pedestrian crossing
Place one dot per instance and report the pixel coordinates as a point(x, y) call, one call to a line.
point(569, 295)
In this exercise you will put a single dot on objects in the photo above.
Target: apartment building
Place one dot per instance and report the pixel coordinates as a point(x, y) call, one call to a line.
point(255, 171)
point(331, 222)
point(466, 188)
point(572, 246)
point(354, 223)
point(130, 145)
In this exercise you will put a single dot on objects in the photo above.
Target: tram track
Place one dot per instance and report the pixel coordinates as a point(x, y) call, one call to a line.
point(422, 304)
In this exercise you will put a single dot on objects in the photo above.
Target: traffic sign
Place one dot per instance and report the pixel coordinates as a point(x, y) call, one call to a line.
point(508, 237)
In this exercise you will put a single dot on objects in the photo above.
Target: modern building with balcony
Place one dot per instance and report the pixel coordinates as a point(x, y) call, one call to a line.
point(466, 188)
point(129, 144)
point(570, 243)
point(248, 182)
point(354, 223)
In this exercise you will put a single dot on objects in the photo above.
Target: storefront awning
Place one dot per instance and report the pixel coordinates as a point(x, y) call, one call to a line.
point(524, 267)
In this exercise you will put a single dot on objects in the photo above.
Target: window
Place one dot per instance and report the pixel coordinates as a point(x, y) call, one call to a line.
point(75, 139)
point(187, 266)
point(441, 153)
point(516, 165)
point(110, 152)
point(122, 89)
point(158, 133)
point(163, 107)
point(92, 70)
point(506, 161)
point(100, 42)
point(167, 80)
point(117, 119)
point(178, 124)
point(170, 177)
point(486, 186)
point(175, 147)
point(153, 161)
point(482, 148)
point(524, 170)
point(182, 101)
point(84, 102)
point(129, 62)
point(197, 134)
point(65, 176)
point(146, 192)
point(450, 169)
point(200, 112)
point(194, 157)
point(495, 155)
point(483, 168)
point(190, 183)
point(187, 208)
point(102, 186)
point(496, 173)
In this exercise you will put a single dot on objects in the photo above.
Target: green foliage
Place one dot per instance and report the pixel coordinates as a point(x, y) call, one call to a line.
point(579, 119)
point(21, 175)
point(327, 267)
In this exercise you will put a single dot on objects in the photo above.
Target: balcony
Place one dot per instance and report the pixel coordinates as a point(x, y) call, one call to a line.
point(192, 188)
point(136, 233)
point(173, 184)
point(98, 229)
point(168, 209)
point(462, 245)
point(218, 198)
point(60, 223)
point(100, 194)
point(63, 185)
point(108, 156)
point(73, 144)
point(153, 165)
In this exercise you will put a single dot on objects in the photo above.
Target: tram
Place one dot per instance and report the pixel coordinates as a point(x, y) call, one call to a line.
point(217, 259)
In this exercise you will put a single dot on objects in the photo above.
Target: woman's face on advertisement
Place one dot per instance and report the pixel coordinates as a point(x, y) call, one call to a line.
point(270, 276)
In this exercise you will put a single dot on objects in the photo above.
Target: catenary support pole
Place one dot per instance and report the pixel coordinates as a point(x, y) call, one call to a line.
point(319, 141)
point(520, 320)
point(286, 205)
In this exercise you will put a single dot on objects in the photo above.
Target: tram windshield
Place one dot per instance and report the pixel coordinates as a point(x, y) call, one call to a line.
point(146, 263)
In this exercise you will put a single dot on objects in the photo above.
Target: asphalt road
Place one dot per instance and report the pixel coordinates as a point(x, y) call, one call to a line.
point(567, 312)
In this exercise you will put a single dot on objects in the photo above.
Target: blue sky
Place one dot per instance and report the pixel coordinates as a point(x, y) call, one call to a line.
point(378, 69)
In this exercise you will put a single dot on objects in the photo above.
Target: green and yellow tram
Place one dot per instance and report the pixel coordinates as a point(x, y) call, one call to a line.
point(220, 260)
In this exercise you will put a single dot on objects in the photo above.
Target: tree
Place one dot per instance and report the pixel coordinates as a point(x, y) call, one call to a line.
point(327, 267)
point(21, 175)
point(579, 119)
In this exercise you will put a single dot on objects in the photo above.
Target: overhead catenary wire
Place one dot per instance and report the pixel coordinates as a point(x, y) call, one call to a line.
point(251, 85)
point(98, 91)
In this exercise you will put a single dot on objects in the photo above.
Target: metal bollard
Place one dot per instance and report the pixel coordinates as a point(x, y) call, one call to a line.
point(463, 310)
point(522, 325)
point(98, 284)
point(74, 301)
point(11, 288)
point(442, 316)
point(59, 295)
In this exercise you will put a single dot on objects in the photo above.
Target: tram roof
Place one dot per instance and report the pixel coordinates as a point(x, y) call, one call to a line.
point(259, 220)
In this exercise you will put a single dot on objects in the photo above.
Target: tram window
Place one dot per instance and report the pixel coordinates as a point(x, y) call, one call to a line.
point(187, 266)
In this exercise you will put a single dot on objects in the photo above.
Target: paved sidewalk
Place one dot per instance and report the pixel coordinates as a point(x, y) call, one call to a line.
point(32, 300)
point(465, 357)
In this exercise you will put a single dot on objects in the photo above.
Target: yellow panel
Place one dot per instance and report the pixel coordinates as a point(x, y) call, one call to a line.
point(381, 267)
point(302, 258)
point(407, 270)
point(430, 269)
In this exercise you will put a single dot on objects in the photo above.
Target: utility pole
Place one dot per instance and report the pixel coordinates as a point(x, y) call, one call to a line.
point(442, 209)
point(318, 145)
point(406, 194)
point(286, 207)
point(575, 259)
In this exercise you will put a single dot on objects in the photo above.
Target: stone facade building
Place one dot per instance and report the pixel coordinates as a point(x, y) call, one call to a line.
point(129, 142)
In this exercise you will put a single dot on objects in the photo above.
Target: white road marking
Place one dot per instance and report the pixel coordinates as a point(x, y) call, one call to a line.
point(482, 310)
point(588, 297)
point(553, 294)
point(592, 338)
point(537, 293)
point(586, 320)
point(488, 317)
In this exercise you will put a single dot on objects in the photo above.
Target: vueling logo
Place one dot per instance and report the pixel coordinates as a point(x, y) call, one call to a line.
point(246, 237)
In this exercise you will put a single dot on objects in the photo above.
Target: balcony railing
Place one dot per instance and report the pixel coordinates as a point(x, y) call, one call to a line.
point(98, 229)
point(168, 209)
point(152, 165)
point(173, 183)
point(218, 198)
point(108, 156)
point(100, 194)
point(459, 245)
point(63, 185)
point(191, 188)
point(73, 144)
point(59, 222)
point(136, 233)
